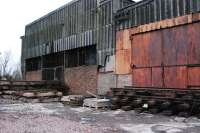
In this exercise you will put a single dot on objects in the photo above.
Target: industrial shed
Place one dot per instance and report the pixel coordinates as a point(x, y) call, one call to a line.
point(72, 44)
point(95, 45)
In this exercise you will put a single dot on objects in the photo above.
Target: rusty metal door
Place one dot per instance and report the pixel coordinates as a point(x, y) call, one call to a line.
point(167, 58)
point(147, 60)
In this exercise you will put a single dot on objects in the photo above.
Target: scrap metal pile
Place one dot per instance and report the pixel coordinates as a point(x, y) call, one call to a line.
point(165, 101)
point(31, 91)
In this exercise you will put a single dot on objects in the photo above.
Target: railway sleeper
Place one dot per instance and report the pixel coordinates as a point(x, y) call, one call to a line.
point(173, 102)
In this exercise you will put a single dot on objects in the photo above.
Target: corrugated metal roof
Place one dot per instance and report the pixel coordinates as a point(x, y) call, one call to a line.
point(148, 11)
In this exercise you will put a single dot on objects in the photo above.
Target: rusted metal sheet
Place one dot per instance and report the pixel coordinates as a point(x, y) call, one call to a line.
point(194, 44)
point(178, 21)
point(157, 77)
point(123, 62)
point(175, 77)
point(194, 76)
point(119, 40)
point(123, 40)
point(181, 42)
point(140, 56)
point(142, 77)
point(175, 46)
point(126, 39)
point(123, 52)
point(169, 48)
point(155, 49)
point(167, 53)
point(147, 50)
point(136, 50)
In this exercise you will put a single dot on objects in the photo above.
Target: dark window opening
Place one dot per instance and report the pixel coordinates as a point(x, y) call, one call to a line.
point(91, 54)
point(53, 60)
point(71, 58)
point(81, 57)
point(48, 74)
point(53, 66)
point(33, 64)
point(56, 73)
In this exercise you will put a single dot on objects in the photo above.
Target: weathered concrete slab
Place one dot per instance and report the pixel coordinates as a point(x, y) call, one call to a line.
point(96, 103)
point(73, 100)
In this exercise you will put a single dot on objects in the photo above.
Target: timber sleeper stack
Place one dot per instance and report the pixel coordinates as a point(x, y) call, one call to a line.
point(163, 101)
point(31, 91)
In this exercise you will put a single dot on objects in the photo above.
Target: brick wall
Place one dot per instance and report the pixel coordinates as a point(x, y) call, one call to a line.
point(81, 79)
point(34, 76)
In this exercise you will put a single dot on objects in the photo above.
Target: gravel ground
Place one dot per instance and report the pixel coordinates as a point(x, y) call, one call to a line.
point(57, 118)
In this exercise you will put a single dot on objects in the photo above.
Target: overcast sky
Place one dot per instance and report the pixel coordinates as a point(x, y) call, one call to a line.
point(15, 14)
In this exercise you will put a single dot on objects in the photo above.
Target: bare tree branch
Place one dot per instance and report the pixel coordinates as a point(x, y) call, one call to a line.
point(8, 70)
point(17, 74)
point(4, 63)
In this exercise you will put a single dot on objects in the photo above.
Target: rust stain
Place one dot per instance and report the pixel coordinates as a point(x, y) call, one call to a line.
point(142, 77)
point(161, 52)
point(123, 62)
point(140, 56)
point(194, 76)
point(157, 74)
point(123, 40)
point(147, 50)
point(119, 40)
point(168, 23)
point(175, 43)
point(161, 58)
point(123, 52)
point(194, 44)
point(126, 39)
point(175, 77)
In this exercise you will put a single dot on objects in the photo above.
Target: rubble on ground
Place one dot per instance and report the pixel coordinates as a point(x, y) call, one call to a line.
point(75, 100)
point(57, 118)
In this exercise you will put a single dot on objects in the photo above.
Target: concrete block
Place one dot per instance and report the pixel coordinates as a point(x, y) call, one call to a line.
point(28, 94)
point(96, 103)
point(46, 94)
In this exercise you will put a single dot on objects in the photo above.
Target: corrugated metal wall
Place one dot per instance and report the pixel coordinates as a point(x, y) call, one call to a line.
point(106, 31)
point(148, 11)
point(106, 26)
point(72, 26)
point(80, 23)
